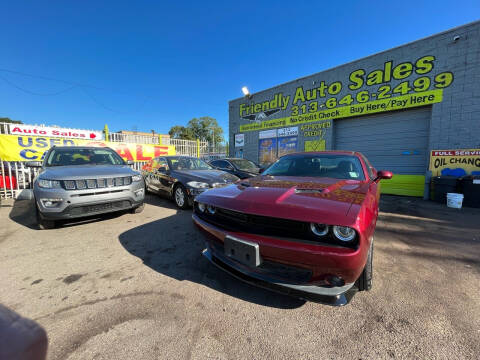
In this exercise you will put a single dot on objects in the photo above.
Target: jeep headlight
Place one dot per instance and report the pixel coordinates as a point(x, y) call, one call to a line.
point(48, 184)
point(136, 177)
point(344, 233)
point(198, 185)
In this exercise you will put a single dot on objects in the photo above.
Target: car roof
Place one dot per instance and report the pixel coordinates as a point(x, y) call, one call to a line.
point(80, 147)
point(178, 156)
point(330, 152)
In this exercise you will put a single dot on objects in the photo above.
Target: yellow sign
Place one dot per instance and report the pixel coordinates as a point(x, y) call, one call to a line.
point(369, 107)
point(466, 159)
point(315, 145)
point(32, 148)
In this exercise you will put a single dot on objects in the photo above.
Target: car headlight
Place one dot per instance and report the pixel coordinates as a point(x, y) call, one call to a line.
point(211, 209)
point(201, 207)
point(137, 177)
point(319, 229)
point(48, 184)
point(344, 233)
point(198, 185)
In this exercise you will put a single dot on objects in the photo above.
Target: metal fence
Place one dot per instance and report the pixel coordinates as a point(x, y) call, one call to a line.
point(5, 128)
point(141, 139)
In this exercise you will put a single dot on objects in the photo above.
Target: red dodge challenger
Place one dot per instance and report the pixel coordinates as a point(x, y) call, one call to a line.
point(303, 227)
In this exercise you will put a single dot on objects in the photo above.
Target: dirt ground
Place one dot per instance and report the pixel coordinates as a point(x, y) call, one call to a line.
point(136, 287)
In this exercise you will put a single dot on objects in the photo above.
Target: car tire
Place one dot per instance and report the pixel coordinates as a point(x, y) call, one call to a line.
point(365, 281)
point(44, 224)
point(180, 196)
point(138, 209)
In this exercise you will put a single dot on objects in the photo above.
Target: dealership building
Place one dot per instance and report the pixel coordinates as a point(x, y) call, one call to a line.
point(398, 107)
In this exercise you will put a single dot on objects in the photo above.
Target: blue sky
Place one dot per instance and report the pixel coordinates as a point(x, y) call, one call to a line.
point(154, 64)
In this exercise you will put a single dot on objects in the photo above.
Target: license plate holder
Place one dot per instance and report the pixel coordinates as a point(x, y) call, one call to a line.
point(245, 252)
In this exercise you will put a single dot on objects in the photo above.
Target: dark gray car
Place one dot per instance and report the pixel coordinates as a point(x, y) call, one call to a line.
point(242, 168)
point(183, 177)
point(82, 181)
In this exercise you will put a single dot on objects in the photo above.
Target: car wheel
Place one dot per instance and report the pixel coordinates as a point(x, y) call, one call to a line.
point(44, 224)
point(180, 196)
point(364, 282)
point(147, 190)
point(138, 209)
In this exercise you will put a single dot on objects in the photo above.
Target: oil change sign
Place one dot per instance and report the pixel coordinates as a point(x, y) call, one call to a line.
point(363, 93)
point(466, 159)
point(32, 148)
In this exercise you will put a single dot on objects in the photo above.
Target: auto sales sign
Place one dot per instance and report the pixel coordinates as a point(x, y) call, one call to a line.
point(20, 129)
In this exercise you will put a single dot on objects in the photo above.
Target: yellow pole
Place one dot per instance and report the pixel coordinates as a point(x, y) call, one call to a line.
point(105, 130)
point(159, 139)
point(198, 148)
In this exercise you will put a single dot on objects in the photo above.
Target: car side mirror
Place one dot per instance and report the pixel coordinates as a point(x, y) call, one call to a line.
point(33, 164)
point(162, 169)
point(384, 174)
point(130, 162)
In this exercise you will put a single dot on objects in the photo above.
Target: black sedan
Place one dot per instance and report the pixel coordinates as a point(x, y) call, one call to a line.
point(239, 167)
point(182, 178)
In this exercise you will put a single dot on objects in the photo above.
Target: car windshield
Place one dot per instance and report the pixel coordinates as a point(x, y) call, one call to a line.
point(187, 163)
point(318, 165)
point(243, 164)
point(86, 156)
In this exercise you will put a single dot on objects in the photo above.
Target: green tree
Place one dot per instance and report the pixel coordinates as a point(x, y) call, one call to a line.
point(10, 121)
point(203, 128)
point(181, 132)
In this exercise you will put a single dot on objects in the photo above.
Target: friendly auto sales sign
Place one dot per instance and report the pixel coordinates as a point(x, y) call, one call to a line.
point(20, 129)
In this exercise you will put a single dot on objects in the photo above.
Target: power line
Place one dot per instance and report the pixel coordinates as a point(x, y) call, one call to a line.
point(35, 93)
point(74, 85)
point(64, 81)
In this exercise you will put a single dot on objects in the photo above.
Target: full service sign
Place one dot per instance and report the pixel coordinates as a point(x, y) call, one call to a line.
point(367, 94)
point(20, 129)
point(32, 148)
point(467, 159)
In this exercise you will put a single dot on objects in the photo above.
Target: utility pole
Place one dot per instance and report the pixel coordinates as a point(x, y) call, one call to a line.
point(213, 131)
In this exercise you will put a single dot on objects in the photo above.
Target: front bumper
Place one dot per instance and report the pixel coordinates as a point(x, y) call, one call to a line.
point(88, 202)
point(296, 279)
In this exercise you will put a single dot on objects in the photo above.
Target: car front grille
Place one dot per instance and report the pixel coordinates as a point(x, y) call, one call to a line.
point(99, 208)
point(294, 230)
point(256, 224)
point(96, 183)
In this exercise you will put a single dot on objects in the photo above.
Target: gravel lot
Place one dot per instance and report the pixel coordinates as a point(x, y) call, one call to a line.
point(136, 287)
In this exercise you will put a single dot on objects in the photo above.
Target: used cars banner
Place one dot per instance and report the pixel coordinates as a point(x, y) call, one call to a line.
point(32, 148)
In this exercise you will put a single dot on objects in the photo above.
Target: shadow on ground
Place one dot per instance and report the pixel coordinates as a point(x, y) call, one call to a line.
point(172, 246)
point(431, 231)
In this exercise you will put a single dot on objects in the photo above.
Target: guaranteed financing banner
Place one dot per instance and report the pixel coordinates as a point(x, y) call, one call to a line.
point(32, 148)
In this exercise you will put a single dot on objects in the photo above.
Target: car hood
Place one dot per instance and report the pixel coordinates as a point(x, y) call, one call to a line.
point(208, 176)
point(86, 172)
point(322, 200)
